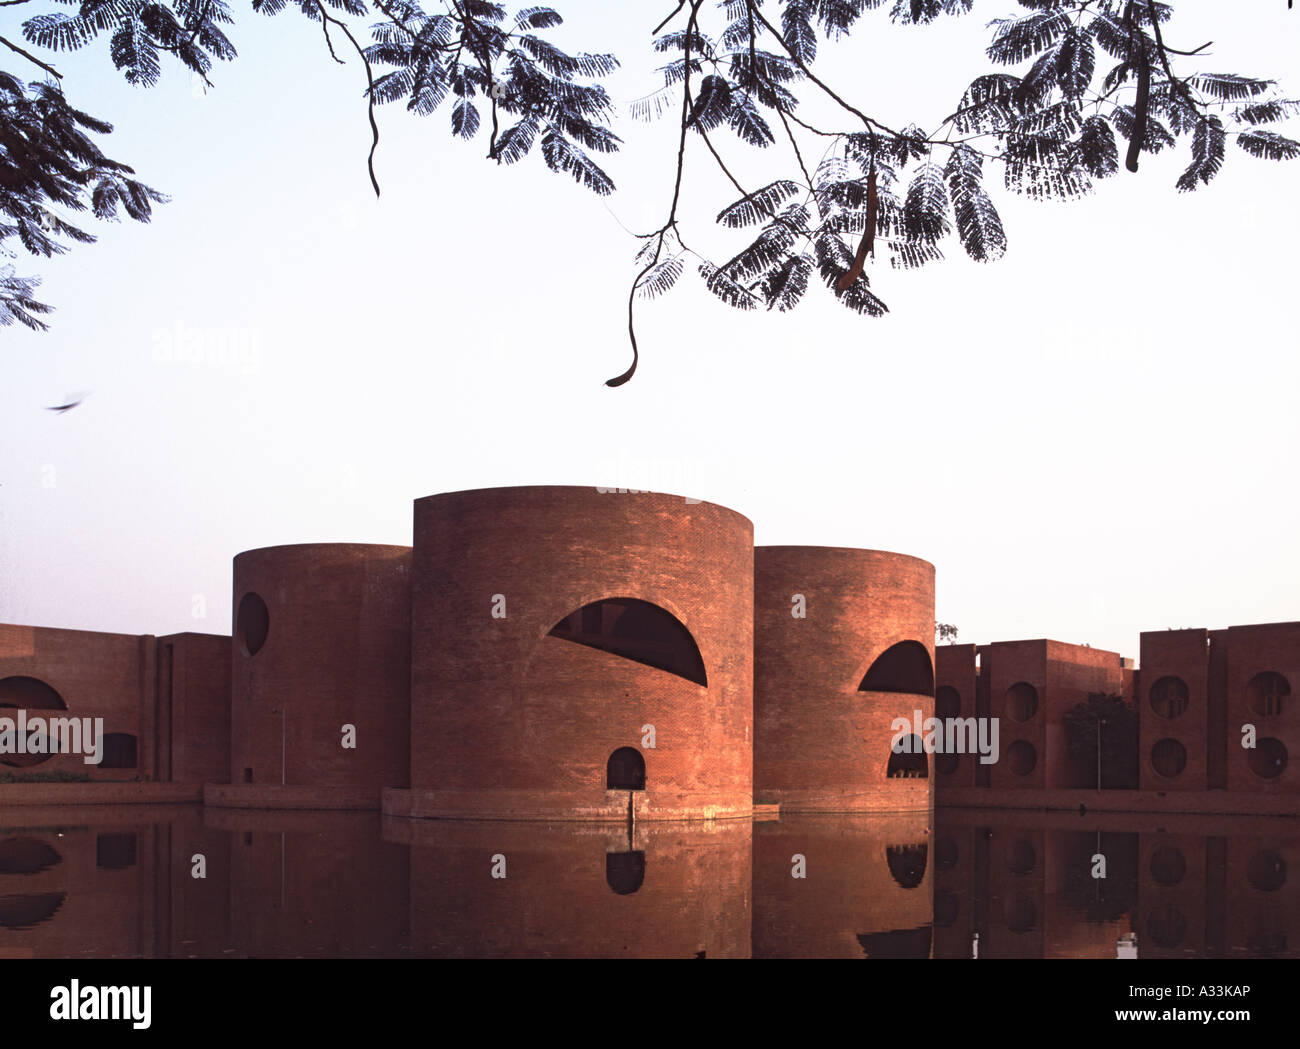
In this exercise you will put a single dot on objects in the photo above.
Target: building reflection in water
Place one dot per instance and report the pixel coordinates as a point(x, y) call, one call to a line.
point(513, 890)
point(1022, 884)
point(866, 890)
point(93, 882)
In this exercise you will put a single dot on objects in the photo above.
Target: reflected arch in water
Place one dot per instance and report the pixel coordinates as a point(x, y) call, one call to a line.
point(27, 856)
point(625, 871)
point(26, 910)
point(897, 943)
point(907, 864)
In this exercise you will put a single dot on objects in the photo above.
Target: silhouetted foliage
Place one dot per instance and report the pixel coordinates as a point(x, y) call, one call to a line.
point(1080, 80)
point(1106, 716)
point(50, 165)
point(1101, 899)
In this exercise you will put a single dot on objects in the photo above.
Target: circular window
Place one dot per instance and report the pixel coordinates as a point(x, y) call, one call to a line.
point(947, 702)
point(1168, 758)
point(1168, 867)
point(1168, 697)
point(252, 623)
point(945, 853)
point(1167, 927)
point(1022, 757)
point(1266, 871)
point(1021, 702)
point(28, 693)
point(1021, 856)
point(1268, 693)
point(1268, 759)
point(946, 763)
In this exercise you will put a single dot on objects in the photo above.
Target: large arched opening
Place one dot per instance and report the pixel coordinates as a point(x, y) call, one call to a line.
point(635, 630)
point(904, 667)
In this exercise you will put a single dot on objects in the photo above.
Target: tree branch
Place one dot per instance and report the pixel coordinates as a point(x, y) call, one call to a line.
point(30, 57)
point(370, 92)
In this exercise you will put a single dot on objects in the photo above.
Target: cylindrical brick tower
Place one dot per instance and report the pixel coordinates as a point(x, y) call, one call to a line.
point(321, 676)
point(579, 654)
point(843, 645)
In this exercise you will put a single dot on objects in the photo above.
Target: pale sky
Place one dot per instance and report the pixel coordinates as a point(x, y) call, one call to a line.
point(1093, 437)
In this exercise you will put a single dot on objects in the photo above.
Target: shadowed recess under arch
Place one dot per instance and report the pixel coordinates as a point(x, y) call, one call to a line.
point(904, 667)
point(636, 630)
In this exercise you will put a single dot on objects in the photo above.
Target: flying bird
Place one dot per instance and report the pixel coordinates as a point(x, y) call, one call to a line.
point(71, 403)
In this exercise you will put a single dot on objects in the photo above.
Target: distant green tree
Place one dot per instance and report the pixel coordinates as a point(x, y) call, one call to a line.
point(945, 633)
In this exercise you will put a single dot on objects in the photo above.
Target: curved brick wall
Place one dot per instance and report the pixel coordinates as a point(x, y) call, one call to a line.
point(336, 652)
point(508, 722)
point(820, 745)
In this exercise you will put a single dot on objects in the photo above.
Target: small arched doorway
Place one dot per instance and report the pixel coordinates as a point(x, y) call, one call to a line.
point(625, 770)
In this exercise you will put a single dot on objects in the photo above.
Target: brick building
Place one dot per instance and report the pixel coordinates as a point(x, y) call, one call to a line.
point(599, 654)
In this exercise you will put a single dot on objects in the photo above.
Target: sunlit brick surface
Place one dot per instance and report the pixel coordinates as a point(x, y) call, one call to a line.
point(509, 722)
point(820, 744)
point(336, 653)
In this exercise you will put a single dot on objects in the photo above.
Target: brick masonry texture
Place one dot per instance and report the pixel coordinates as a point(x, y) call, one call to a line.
point(336, 653)
point(506, 719)
point(460, 712)
point(820, 744)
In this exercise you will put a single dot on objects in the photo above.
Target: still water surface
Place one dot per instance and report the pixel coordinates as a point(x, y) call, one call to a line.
point(93, 882)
